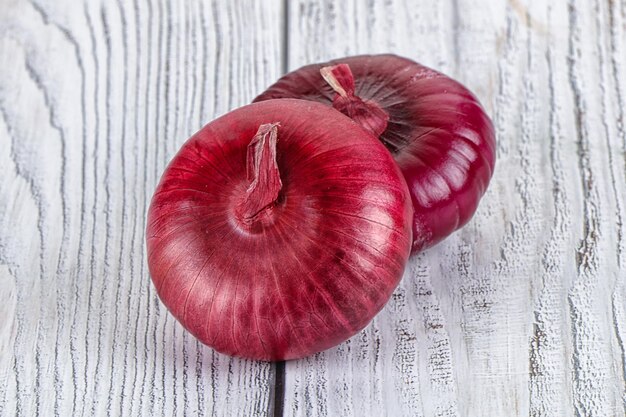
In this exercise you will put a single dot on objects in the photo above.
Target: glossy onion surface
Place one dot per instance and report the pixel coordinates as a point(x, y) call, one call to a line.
point(307, 271)
point(435, 128)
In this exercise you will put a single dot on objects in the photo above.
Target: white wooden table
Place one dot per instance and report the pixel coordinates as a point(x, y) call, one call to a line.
point(521, 313)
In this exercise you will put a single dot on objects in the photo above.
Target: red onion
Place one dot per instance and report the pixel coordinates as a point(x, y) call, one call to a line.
point(436, 130)
point(278, 230)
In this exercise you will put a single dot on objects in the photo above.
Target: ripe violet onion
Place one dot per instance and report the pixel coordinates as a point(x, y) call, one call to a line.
point(278, 230)
point(436, 130)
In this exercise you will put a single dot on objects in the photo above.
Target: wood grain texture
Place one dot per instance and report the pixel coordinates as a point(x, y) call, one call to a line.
point(521, 313)
point(95, 98)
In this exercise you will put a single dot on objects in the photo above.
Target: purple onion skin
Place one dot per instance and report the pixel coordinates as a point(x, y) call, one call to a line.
point(311, 269)
point(437, 131)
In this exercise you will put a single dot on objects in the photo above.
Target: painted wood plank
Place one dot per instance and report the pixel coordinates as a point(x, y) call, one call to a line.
point(522, 311)
point(95, 98)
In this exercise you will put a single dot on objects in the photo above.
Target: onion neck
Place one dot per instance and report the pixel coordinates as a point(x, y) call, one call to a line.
point(263, 175)
point(365, 112)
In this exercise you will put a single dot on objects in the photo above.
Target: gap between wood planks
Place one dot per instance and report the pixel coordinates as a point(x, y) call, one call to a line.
point(277, 408)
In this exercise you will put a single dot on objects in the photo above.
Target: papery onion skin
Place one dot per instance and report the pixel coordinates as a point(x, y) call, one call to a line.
point(311, 270)
point(437, 131)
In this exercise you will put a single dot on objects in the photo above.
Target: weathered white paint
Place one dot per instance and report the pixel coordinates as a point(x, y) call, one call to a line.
point(523, 312)
point(95, 97)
